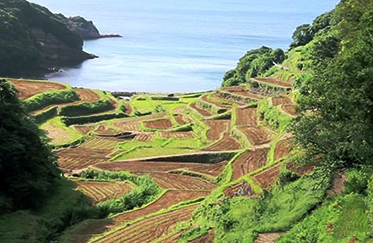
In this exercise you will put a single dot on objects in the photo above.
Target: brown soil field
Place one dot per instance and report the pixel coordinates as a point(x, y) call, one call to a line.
point(170, 198)
point(210, 100)
point(174, 238)
point(255, 135)
point(210, 169)
point(96, 227)
point(83, 129)
point(283, 148)
point(246, 116)
point(200, 111)
point(129, 108)
point(281, 101)
point(267, 177)
point(145, 136)
point(80, 158)
point(126, 125)
point(206, 238)
point(301, 170)
point(104, 130)
point(100, 144)
point(150, 229)
point(179, 119)
point(146, 166)
point(30, 88)
point(217, 128)
point(268, 237)
point(290, 109)
point(249, 162)
point(101, 191)
point(249, 94)
point(230, 191)
point(275, 82)
point(87, 95)
point(225, 144)
point(176, 181)
point(159, 124)
point(234, 88)
point(177, 135)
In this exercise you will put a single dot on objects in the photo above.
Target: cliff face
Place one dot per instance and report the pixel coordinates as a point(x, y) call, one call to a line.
point(31, 37)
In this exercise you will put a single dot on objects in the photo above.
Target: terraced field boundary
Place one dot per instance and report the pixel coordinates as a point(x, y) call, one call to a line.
point(243, 100)
point(204, 104)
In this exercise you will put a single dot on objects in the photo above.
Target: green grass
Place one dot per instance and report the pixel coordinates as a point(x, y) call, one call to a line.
point(60, 134)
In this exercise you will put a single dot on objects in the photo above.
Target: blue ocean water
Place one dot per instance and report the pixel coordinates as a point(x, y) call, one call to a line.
point(178, 46)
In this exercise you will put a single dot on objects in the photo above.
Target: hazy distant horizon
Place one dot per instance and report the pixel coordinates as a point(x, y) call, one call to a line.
point(178, 47)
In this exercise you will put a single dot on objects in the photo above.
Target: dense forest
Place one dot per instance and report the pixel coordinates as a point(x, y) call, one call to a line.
point(329, 70)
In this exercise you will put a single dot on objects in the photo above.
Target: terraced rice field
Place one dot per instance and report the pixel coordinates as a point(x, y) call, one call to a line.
point(267, 177)
point(87, 95)
point(145, 137)
point(30, 88)
point(210, 99)
point(57, 134)
point(301, 170)
point(210, 169)
point(177, 135)
point(249, 162)
point(290, 109)
point(203, 112)
point(227, 143)
point(246, 116)
point(217, 128)
point(234, 88)
point(83, 129)
point(80, 158)
point(149, 229)
point(126, 125)
point(281, 101)
point(256, 135)
point(182, 182)
point(179, 119)
point(128, 108)
point(274, 82)
point(103, 130)
point(249, 94)
point(283, 148)
point(101, 191)
point(100, 143)
point(158, 124)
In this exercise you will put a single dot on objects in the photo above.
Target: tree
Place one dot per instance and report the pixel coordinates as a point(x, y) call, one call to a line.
point(338, 110)
point(27, 165)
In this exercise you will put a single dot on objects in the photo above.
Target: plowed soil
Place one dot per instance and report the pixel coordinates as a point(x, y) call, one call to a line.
point(159, 124)
point(129, 108)
point(92, 228)
point(255, 135)
point(177, 135)
point(87, 95)
point(300, 170)
point(125, 125)
point(249, 162)
point(149, 229)
point(176, 181)
point(101, 191)
point(217, 128)
point(80, 158)
point(210, 100)
point(100, 144)
point(206, 238)
point(281, 101)
point(104, 130)
point(267, 177)
point(249, 94)
point(268, 237)
point(275, 82)
point(203, 112)
point(30, 88)
point(234, 88)
point(145, 136)
point(283, 148)
point(290, 109)
point(179, 119)
point(246, 116)
point(83, 129)
point(167, 200)
point(210, 169)
point(227, 143)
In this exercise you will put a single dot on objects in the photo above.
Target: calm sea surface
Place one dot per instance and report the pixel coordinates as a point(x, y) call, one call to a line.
point(171, 46)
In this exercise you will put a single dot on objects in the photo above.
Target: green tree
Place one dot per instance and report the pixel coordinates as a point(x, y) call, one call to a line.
point(338, 107)
point(27, 165)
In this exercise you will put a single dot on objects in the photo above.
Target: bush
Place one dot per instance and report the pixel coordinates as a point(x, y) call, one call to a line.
point(87, 108)
point(45, 115)
point(90, 119)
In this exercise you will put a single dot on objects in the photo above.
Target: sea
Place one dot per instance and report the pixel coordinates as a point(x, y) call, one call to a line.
point(177, 46)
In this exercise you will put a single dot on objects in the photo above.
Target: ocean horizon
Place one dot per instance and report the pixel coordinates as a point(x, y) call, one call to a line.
point(170, 46)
